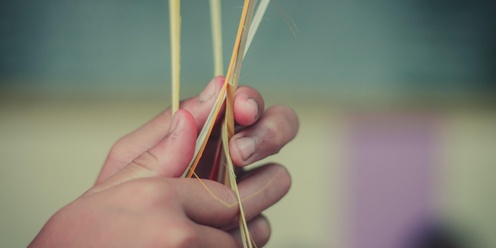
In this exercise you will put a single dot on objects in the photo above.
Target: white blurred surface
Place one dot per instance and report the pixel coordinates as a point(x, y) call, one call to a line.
point(52, 147)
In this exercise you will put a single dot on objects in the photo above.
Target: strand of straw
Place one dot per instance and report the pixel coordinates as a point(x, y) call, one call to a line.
point(255, 23)
point(216, 23)
point(175, 40)
point(243, 226)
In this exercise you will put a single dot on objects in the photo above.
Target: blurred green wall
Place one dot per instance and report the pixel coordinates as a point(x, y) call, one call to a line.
point(337, 45)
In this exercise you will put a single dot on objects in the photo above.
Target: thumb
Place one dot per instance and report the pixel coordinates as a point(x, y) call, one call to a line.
point(169, 158)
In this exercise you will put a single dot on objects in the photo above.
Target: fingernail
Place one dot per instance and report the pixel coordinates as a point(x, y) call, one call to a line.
point(209, 92)
point(253, 105)
point(246, 146)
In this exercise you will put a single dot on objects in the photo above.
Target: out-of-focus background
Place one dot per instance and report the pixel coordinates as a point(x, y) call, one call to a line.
point(396, 101)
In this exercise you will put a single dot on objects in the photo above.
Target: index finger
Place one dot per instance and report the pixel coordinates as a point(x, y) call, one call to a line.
point(211, 203)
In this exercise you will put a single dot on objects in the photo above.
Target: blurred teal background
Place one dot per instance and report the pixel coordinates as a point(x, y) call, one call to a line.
point(77, 75)
point(376, 45)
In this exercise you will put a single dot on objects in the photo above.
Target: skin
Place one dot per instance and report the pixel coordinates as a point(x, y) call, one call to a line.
point(139, 200)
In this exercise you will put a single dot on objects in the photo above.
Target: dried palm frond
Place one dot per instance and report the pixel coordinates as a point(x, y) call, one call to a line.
point(246, 30)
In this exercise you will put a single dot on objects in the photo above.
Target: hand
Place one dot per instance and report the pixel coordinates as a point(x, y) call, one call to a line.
point(139, 201)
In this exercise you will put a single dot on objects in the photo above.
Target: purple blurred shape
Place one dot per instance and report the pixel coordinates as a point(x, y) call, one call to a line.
point(391, 177)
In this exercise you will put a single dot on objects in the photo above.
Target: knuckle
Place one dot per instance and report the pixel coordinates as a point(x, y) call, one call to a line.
point(116, 150)
point(146, 160)
point(227, 199)
point(154, 193)
point(224, 193)
point(227, 205)
point(183, 235)
point(279, 131)
point(177, 234)
point(273, 136)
